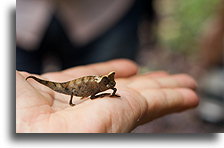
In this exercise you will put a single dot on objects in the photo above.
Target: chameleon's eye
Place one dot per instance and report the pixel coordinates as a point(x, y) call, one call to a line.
point(104, 80)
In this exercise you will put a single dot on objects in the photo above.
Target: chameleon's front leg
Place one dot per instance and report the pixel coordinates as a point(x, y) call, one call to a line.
point(114, 91)
point(70, 102)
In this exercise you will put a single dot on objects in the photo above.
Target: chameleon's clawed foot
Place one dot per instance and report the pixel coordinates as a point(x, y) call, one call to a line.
point(93, 97)
point(71, 104)
point(114, 95)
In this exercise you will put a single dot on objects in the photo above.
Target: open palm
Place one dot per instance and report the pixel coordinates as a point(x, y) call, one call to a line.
point(143, 98)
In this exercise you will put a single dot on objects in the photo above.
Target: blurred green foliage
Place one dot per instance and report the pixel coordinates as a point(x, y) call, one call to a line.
point(181, 22)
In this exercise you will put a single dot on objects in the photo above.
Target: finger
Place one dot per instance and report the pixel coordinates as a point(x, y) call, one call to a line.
point(122, 67)
point(157, 74)
point(185, 80)
point(164, 101)
point(179, 80)
point(174, 81)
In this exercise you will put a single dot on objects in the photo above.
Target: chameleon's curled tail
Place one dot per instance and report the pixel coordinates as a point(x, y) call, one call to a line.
point(44, 82)
point(52, 85)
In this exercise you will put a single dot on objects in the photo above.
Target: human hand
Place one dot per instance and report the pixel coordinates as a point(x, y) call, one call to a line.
point(143, 98)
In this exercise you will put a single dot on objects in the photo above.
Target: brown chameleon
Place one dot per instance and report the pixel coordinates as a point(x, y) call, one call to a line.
point(83, 87)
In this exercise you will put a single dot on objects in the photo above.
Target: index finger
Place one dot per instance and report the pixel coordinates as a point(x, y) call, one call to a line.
point(122, 67)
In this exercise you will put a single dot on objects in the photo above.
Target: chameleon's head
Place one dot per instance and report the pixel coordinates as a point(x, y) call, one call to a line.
point(111, 83)
point(108, 81)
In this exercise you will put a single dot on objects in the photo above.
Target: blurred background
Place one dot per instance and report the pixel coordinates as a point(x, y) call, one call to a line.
point(188, 38)
point(178, 36)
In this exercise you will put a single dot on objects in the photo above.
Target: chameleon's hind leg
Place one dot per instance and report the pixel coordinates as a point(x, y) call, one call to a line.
point(70, 102)
point(114, 93)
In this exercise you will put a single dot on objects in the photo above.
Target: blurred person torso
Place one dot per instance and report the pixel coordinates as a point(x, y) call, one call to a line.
point(83, 19)
point(77, 32)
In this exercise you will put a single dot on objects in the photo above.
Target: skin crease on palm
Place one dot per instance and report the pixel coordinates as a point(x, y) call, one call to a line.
point(143, 98)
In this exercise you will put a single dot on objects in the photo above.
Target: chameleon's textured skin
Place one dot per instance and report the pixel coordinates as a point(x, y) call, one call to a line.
point(82, 87)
